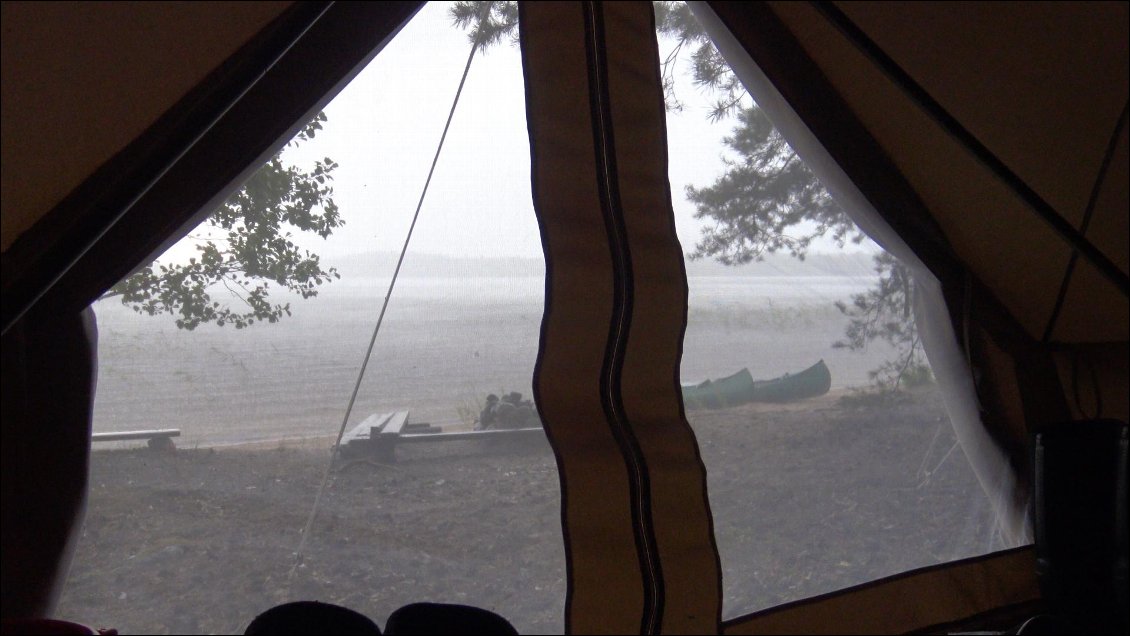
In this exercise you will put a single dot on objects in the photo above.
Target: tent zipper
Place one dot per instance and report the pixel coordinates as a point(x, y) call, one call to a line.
point(639, 486)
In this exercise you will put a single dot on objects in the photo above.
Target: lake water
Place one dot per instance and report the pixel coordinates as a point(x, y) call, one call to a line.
point(445, 344)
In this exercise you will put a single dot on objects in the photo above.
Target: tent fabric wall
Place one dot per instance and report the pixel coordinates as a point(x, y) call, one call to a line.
point(895, 605)
point(931, 314)
point(616, 301)
point(1047, 106)
point(64, 116)
point(113, 222)
point(638, 529)
point(650, 388)
point(1052, 106)
point(603, 560)
point(159, 187)
point(860, 115)
point(1072, 89)
point(1097, 377)
point(49, 374)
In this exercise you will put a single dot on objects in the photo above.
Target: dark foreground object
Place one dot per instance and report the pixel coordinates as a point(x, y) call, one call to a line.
point(1081, 524)
point(439, 618)
point(312, 617)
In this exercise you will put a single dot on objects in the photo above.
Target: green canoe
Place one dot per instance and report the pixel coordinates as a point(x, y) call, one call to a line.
point(741, 388)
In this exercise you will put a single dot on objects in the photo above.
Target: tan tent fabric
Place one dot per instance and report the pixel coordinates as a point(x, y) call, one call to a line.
point(67, 113)
point(1052, 106)
point(908, 602)
point(50, 367)
point(605, 582)
point(1099, 374)
point(651, 394)
point(609, 358)
point(1000, 264)
point(1046, 105)
point(162, 184)
point(1041, 85)
point(1046, 108)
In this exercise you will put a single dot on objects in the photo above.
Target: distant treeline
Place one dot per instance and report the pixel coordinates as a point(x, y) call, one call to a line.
point(852, 264)
point(433, 265)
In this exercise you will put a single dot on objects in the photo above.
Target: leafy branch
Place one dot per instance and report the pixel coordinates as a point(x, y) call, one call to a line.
point(245, 246)
point(886, 313)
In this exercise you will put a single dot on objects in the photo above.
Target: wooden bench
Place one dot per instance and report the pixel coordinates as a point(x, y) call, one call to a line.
point(378, 435)
point(375, 436)
point(159, 439)
point(395, 424)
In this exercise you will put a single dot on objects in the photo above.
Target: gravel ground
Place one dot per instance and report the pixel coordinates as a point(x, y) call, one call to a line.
point(807, 498)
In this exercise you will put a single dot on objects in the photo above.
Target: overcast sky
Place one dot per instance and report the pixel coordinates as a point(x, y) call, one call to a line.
point(383, 128)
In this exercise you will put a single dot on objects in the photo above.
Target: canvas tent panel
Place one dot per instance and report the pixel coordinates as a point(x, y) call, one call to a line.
point(683, 529)
point(895, 605)
point(1044, 105)
point(164, 183)
point(474, 521)
point(1090, 313)
point(1096, 377)
point(988, 212)
point(68, 113)
point(45, 451)
point(1110, 226)
point(998, 284)
point(1000, 394)
point(1046, 108)
point(1017, 255)
point(602, 555)
point(1088, 308)
point(835, 553)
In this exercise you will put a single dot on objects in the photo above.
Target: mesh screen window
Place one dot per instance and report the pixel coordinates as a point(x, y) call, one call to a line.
point(201, 539)
point(830, 458)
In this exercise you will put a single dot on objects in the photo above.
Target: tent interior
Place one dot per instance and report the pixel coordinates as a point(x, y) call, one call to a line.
point(982, 148)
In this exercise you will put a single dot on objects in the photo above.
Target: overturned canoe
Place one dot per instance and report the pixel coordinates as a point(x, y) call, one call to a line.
point(741, 388)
